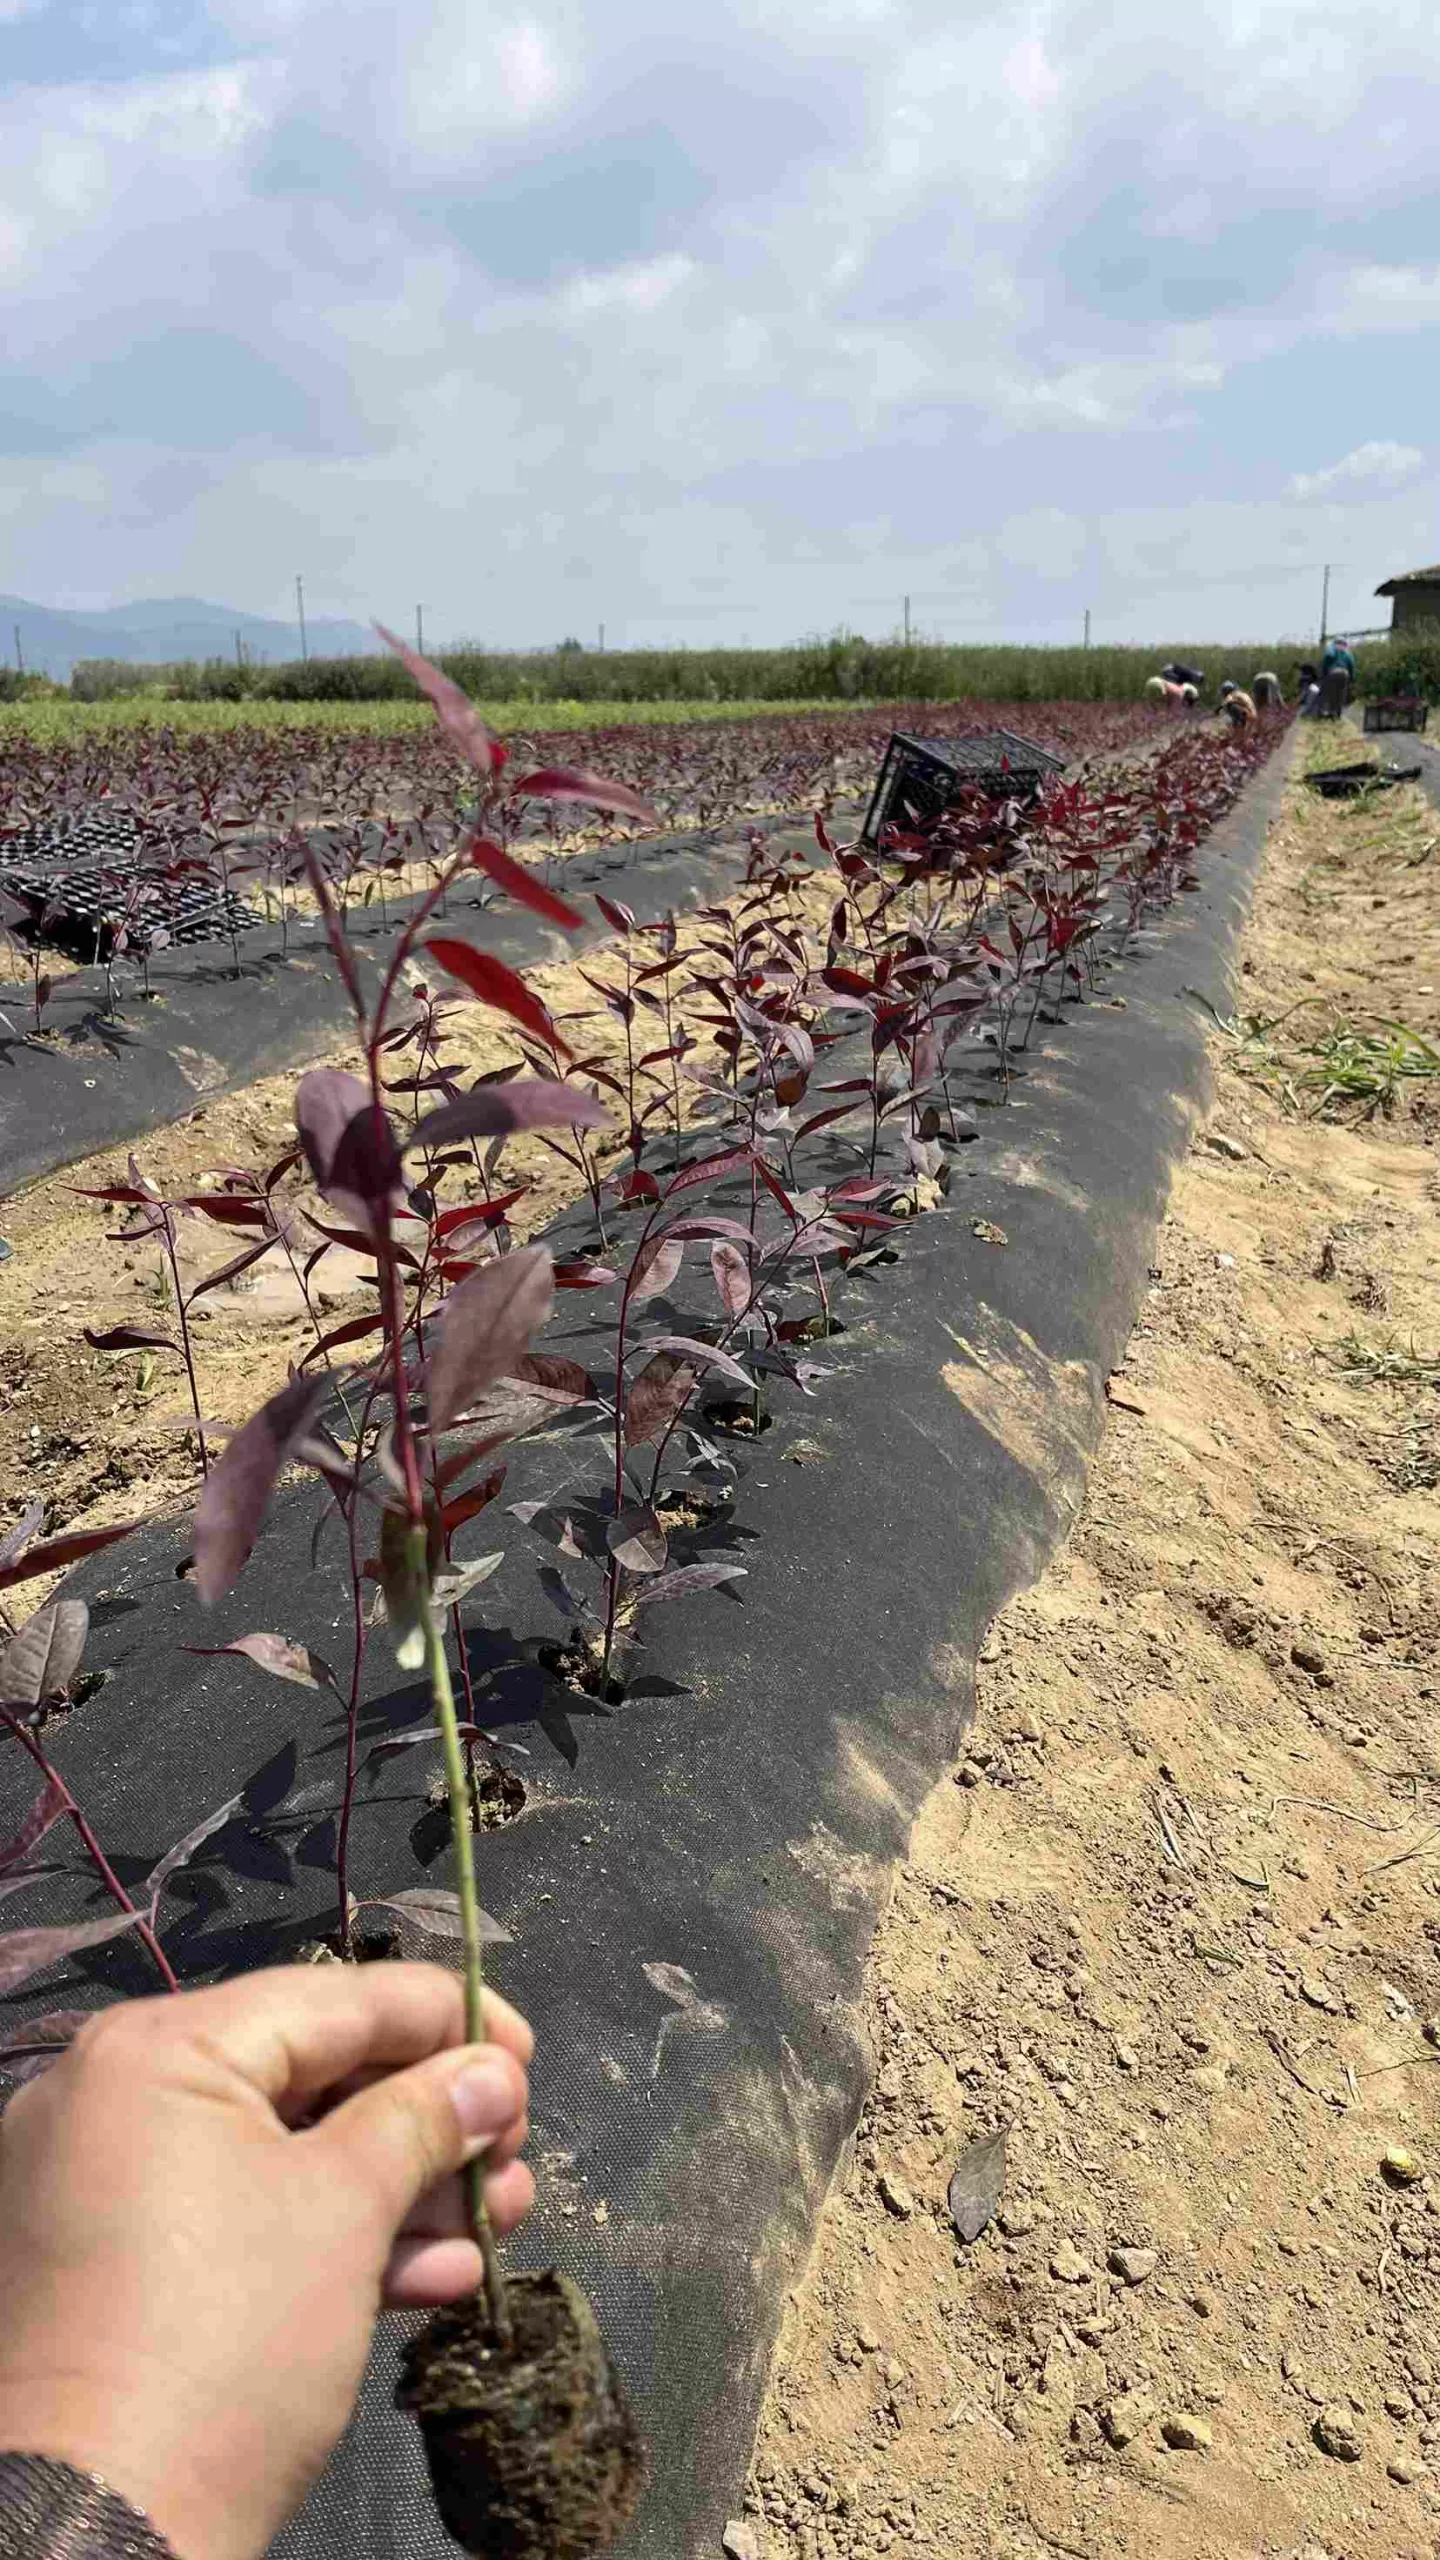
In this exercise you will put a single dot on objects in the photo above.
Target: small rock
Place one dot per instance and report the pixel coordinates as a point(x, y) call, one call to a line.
point(1202, 2303)
point(1134, 2265)
point(1126, 2057)
point(1336, 2433)
point(1319, 1994)
point(1017, 2219)
point(1308, 1657)
point(969, 1776)
point(1126, 2417)
point(1403, 2470)
point(1186, 2432)
point(1068, 2267)
point(1400, 2166)
point(867, 2342)
point(740, 2540)
point(1210, 2077)
point(1221, 1144)
point(1028, 1728)
point(895, 2196)
point(891, 2371)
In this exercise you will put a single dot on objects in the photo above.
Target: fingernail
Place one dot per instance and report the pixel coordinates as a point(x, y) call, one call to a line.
point(484, 2100)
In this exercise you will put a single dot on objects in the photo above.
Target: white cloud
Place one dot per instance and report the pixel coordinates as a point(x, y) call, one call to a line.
point(719, 305)
point(1370, 468)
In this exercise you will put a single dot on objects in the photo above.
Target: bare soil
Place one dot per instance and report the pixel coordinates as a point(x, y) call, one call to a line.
point(1175, 1918)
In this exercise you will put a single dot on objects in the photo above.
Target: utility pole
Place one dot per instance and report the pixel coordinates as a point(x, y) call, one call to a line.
point(420, 629)
point(1086, 642)
point(300, 610)
point(1325, 606)
point(907, 622)
point(239, 651)
point(19, 653)
point(602, 639)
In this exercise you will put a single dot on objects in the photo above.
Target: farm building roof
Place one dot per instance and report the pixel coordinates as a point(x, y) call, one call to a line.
point(1411, 578)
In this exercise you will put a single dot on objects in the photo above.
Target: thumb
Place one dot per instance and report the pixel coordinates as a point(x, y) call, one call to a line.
point(397, 2139)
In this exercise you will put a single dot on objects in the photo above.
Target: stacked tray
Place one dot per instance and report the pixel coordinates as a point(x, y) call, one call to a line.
point(84, 880)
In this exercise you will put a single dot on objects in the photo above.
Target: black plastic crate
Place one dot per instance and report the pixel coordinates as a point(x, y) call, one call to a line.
point(1397, 711)
point(920, 778)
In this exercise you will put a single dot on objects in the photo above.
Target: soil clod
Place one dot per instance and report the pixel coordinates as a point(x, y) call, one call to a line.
point(533, 2451)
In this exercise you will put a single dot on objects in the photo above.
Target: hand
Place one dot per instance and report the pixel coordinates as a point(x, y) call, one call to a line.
point(204, 2204)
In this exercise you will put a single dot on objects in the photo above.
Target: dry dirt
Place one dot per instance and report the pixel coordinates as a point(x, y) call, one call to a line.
point(1176, 1917)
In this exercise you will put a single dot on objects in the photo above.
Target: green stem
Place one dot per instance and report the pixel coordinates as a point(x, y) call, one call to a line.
point(463, 1841)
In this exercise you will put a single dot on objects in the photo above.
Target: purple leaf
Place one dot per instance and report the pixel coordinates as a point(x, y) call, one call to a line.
point(43, 1658)
point(485, 1326)
point(27, 1951)
point(435, 1909)
point(48, 2035)
point(47, 1808)
point(660, 1391)
point(494, 1110)
point(637, 1541)
point(706, 1355)
point(283, 1659)
point(129, 1337)
point(184, 1850)
point(565, 782)
point(732, 1276)
point(655, 1267)
point(55, 1553)
point(229, 1271)
point(237, 1490)
point(24, 1530)
point(688, 1577)
point(349, 1146)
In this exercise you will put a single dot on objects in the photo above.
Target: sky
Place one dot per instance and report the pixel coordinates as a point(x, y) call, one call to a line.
point(726, 323)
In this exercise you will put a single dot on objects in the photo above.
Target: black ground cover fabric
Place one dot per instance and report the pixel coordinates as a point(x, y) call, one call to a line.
point(696, 1878)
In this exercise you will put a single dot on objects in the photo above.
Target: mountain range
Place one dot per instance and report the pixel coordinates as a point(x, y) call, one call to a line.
point(159, 629)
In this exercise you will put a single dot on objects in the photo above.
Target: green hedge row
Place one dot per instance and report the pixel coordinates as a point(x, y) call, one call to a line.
point(840, 669)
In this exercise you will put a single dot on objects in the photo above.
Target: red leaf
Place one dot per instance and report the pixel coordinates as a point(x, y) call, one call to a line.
point(583, 1275)
point(492, 983)
point(710, 1169)
point(227, 1208)
point(569, 782)
point(822, 1119)
point(521, 884)
point(619, 918)
point(637, 1541)
point(455, 711)
point(237, 1491)
point(354, 1331)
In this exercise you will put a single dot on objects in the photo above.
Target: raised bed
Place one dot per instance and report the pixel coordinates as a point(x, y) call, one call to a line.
point(694, 1880)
